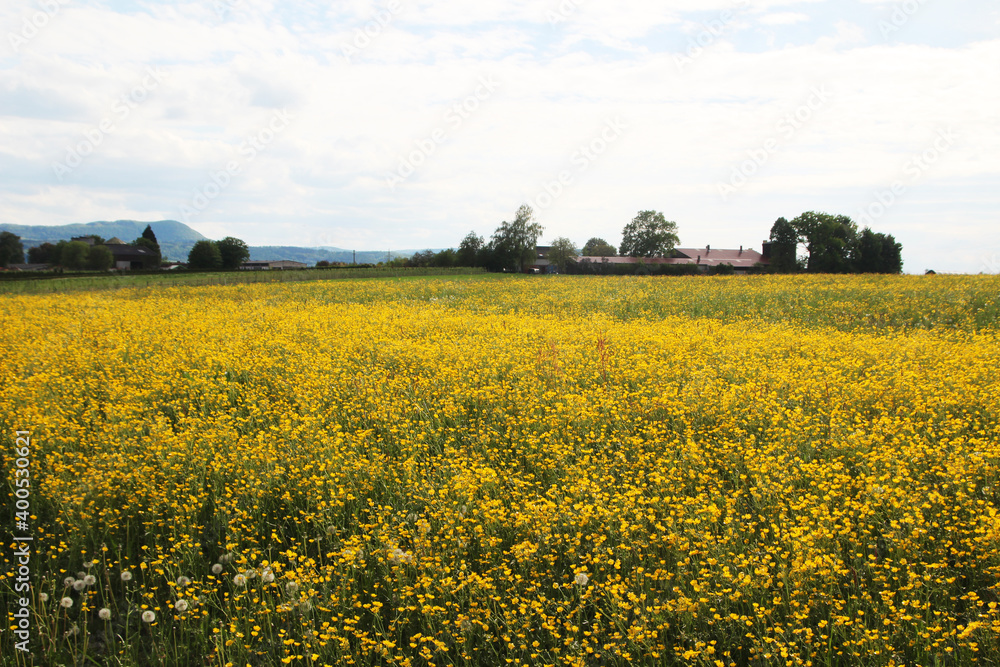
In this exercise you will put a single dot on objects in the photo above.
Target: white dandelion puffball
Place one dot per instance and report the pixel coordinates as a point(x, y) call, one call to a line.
point(267, 577)
point(104, 614)
point(148, 616)
point(292, 588)
point(44, 597)
point(66, 603)
point(581, 579)
point(183, 581)
point(89, 580)
point(68, 582)
point(181, 606)
point(240, 580)
point(126, 576)
point(79, 585)
point(216, 569)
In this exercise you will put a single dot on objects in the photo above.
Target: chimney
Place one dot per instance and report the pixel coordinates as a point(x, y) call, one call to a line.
point(741, 251)
point(708, 249)
point(699, 260)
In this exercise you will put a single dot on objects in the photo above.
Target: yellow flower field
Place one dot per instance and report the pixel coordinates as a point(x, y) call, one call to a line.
point(507, 470)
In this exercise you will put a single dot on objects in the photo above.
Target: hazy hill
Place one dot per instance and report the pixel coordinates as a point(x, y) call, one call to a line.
point(176, 240)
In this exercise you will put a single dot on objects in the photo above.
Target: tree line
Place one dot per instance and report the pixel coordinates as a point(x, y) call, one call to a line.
point(514, 245)
point(833, 244)
point(76, 255)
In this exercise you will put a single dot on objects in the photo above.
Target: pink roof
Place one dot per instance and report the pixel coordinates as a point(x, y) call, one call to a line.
point(707, 256)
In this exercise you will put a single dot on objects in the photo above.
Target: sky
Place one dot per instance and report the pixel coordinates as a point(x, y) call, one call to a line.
point(409, 123)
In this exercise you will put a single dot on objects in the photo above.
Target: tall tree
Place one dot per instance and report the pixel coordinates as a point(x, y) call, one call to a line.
point(233, 252)
point(11, 249)
point(649, 235)
point(43, 254)
point(99, 258)
point(597, 247)
point(74, 254)
point(514, 243)
point(147, 233)
point(784, 245)
point(205, 255)
point(561, 252)
point(829, 240)
point(892, 255)
point(469, 249)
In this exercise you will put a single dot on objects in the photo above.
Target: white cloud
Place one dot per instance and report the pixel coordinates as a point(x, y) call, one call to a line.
point(325, 175)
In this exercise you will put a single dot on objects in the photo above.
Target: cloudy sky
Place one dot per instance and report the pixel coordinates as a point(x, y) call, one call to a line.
point(409, 123)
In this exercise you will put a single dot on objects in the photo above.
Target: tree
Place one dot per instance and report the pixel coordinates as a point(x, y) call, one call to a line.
point(784, 245)
point(205, 255)
point(445, 258)
point(829, 240)
point(892, 255)
point(514, 244)
point(233, 252)
point(99, 258)
point(147, 233)
point(73, 255)
point(43, 254)
point(649, 235)
point(149, 262)
point(11, 250)
point(561, 251)
point(597, 247)
point(469, 250)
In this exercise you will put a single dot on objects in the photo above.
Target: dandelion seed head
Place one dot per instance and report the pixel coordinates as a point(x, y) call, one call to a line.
point(89, 580)
point(68, 582)
point(104, 614)
point(183, 581)
point(240, 580)
point(44, 597)
point(216, 569)
point(79, 585)
point(126, 576)
point(581, 579)
point(181, 605)
point(148, 616)
point(66, 603)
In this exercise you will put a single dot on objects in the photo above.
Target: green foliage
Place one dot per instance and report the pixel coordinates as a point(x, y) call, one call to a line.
point(598, 247)
point(11, 250)
point(233, 252)
point(514, 244)
point(561, 252)
point(152, 246)
point(829, 239)
point(205, 255)
point(45, 253)
point(784, 244)
point(470, 250)
point(99, 258)
point(73, 255)
point(148, 234)
point(649, 234)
